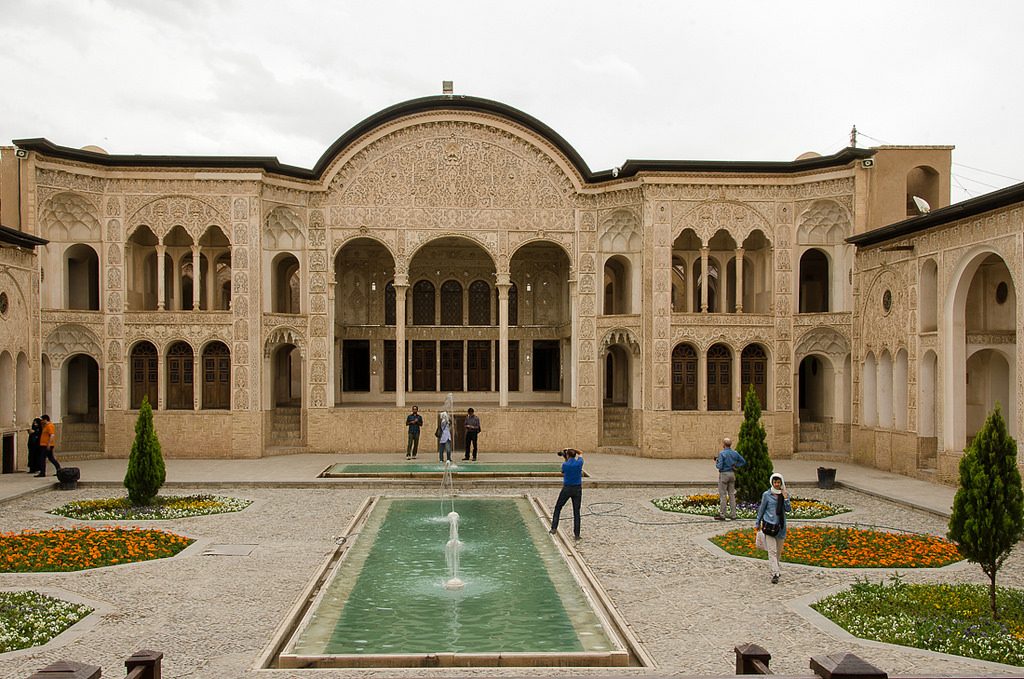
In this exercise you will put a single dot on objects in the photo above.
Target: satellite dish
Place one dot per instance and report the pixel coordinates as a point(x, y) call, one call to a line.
point(923, 207)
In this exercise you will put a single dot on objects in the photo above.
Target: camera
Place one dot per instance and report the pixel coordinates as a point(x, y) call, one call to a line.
point(564, 454)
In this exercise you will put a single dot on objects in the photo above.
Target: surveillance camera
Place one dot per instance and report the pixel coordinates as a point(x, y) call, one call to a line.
point(21, 153)
point(615, 172)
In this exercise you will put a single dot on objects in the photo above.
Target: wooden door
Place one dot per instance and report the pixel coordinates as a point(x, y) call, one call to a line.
point(180, 377)
point(216, 377)
point(478, 360)
point(451, 365)
point(424, 365)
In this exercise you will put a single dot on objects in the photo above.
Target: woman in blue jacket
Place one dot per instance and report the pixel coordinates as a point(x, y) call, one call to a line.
point(771, 520)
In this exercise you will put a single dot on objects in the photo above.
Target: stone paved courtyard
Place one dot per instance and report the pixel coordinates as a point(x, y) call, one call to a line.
point(687, 602)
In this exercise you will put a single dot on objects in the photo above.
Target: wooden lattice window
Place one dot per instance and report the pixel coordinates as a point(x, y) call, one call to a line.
point(754, 371)
point(719, 378)
point(684, 378)
point(216, 377)
point(144, 374)
point(479, 303)
point(180, 377)
point(451, 303)
point(423, 303)
point(389, 303)
point(513, 305)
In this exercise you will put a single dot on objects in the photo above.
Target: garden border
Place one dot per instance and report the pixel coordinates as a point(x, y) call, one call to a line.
point(71, 634)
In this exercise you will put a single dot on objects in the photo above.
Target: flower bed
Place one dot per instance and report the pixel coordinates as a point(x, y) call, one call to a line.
point(81, 548)
point(945, 618)
point(163, 507)
point(31, 619)
point(848, 547)
point(706, 504)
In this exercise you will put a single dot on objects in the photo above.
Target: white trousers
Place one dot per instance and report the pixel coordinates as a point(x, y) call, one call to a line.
point(774, 545)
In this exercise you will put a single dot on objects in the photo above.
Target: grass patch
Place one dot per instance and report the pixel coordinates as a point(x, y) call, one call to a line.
point(945, 618)
point(32, 619)
point(848, 547)
point(706, 504)
point(163, 507)
point(77, 549)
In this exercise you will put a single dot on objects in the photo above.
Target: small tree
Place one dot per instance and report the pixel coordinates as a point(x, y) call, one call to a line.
point(988, 509)
point(752, 478)
point(146, 471)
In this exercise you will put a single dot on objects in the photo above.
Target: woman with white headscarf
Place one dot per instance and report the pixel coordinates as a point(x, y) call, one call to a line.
point(444, 429)
point(771, 520)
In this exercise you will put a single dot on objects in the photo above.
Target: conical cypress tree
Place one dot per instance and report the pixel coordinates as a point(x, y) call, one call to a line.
point(988, 509)
point(146, 471)
point(752, 478)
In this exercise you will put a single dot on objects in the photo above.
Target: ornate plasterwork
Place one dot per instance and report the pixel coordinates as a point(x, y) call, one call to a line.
point(620, 232)
point(824, 341)
point(283, 230)
point(623, 336)
point(881, 329)
point(196, 335)
point(451, 164)
point(283, 334)
point(192, 214)
point(70, 339)
point(825, 222)
point(705, 219)
point(69, 217)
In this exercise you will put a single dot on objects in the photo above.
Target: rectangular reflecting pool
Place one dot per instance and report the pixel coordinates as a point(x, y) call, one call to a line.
point(431, 469)
point(523, 599)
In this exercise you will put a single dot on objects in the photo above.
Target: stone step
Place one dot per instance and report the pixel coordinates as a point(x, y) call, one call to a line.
point(286, 450)
point(624, 449)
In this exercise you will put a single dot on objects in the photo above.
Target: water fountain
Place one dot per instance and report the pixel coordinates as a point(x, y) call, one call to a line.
point(451, 553)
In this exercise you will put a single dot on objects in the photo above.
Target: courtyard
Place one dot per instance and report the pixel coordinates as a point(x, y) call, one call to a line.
point(687, 602)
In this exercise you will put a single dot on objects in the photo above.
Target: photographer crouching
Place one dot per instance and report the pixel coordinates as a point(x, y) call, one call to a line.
point(572, 489)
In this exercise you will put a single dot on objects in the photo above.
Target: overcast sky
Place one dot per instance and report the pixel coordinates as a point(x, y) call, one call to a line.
point(645, 80)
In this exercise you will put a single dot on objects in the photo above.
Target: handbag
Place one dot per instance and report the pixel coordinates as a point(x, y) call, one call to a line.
point(770, 528)
point(760, 542)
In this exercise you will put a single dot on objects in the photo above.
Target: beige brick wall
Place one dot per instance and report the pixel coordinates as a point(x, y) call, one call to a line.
point(188, 434)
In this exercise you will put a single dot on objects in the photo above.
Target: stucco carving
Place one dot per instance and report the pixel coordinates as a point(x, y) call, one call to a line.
point(164, 213)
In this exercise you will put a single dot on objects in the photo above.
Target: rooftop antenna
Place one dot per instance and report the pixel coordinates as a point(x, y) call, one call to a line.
point(447, 87)
point(853, 136)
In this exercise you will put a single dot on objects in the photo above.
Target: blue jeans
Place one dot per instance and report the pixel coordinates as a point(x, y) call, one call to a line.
point(442, 448)
point(574, 493)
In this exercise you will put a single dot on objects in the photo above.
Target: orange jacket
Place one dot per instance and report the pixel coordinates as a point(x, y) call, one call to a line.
point(48, 439)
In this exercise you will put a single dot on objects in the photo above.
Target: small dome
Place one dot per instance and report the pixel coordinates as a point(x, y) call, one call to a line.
point(806, 155)
point(95, 149)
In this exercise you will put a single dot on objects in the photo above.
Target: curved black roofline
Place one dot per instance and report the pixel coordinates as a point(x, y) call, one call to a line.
point(1005, 197)
point(20, 238)
point(272, 165)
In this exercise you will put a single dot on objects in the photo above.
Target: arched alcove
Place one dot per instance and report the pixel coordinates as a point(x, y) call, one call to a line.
point(82, 278)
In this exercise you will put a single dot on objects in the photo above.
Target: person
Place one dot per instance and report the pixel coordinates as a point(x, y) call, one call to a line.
point(413, 422)
point(572, 489)
point(444, 429)
point(771, 518)
point(47, 441)
point(34, 466)
point(727, 462)
point(472, 431)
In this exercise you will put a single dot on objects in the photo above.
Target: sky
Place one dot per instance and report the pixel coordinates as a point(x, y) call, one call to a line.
point(679, 80)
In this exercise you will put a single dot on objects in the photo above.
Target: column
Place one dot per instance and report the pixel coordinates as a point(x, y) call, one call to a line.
point(573, 339)
point(56, 390)
point(737, 386)
point(739, 280)
point(702, 381)
point(161, 381)
point(503, 287)
point(333, 360)
point(688, 306)
point(401, 288)
point(196, 278)
point(211, 280)
point(161, 293)
point(703, 280)
point(176, 281)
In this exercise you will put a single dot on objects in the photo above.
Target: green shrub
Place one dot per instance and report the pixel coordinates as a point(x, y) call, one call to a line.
point(146, 471)
point(752, 478)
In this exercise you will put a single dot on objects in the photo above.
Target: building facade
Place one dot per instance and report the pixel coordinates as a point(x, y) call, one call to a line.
point(453, 244)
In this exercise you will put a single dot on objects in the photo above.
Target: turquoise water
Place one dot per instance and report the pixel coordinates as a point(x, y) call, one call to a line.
point(388, 595)
point(411, 468)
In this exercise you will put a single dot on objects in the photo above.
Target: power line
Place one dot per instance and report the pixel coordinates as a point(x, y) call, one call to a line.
point(995, 174)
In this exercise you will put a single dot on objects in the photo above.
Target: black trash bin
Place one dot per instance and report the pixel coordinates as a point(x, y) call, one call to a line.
point(67, 478)
point(826, 477)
